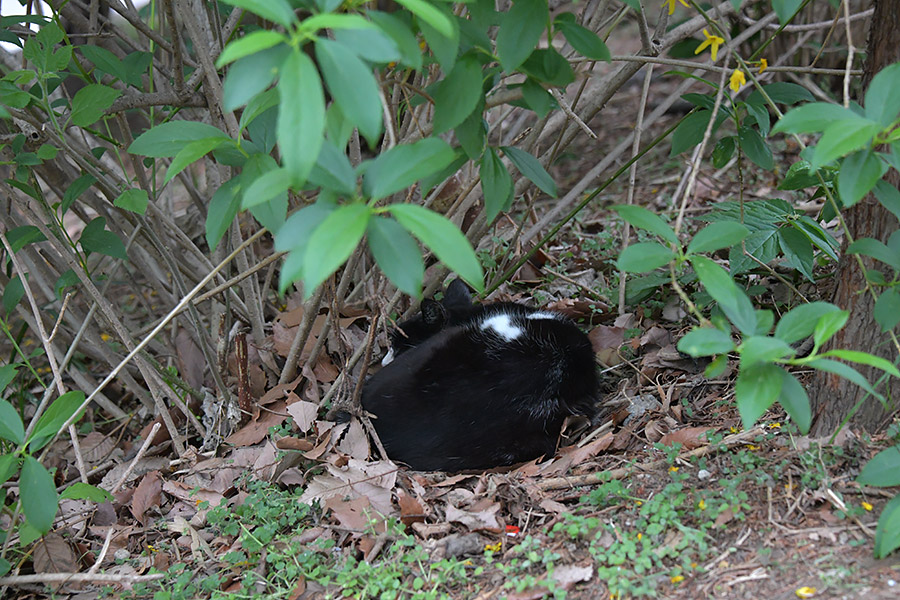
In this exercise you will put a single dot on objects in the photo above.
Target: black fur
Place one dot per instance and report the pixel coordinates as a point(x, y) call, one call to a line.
point(461, 395)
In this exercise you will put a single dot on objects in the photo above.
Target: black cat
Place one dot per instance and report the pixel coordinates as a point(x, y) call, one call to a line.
point(480, 386)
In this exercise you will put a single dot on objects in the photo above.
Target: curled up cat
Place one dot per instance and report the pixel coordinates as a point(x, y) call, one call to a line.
point(468, 386)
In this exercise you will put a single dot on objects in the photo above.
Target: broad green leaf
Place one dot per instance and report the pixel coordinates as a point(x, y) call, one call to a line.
point(756, 389)
point(332, 242)
point(531, 168)
point(21, 236)
point(403, 165)
point(882, 99)
point(883, 470)
point(829, 324)
point(11, 427)
point(858, 175)
point(272, 213)
point(795, 401)
point(877, 250)
point(757, 349)
point(223, 207)
point(397, 253)
point(723, 234)
point(444, 47)
point(335, 21)
point(705, 341)
point(845, 371)
point(95, 238)
point(267, 186)
point(471, 133)
point(12, 294)
point(843, 137)
point(352, 85)
point(458, 94)
point(800, 175)
point(54, 417)
point(644, 257)
point(252, 74)
point(371, 44)
point(7, 374)
point(254, 42)
point(889, 197)
point(549, 66)
point(814, 117)
point(887, 534)
point(90, 102)
point(820, 238)
point(402, 36)
point(520, 32)
point(169, 138)
point(689, 132)
point(642, 218)
point(84, 491)
point(585, 41)
point(333, 171)
point(192, 152)
point(723, 151)
point(785, 9)
point(496, 184)
point(9, 466)
point(864, 358)
point(887, 309)
point(755, 147)
point(294, 237)
point(301, 124)
point(781, 92)
point(104, 60)
point(439, 21)
point(443, 238)
point(38, 494)
point(800, 322)
point(277, 11)
point(732, 300)
point(797, 250)
point(258, 105)
point(537, 98)
point(760, 114)
point(134, 199)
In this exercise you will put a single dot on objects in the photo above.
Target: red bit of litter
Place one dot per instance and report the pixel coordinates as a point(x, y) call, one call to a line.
point(512, 530)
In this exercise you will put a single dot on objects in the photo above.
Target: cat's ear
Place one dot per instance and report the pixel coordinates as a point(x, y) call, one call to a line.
point(433, 313)
point(457, 295)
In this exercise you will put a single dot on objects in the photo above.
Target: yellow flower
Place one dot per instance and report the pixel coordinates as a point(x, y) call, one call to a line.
point(805, 592)
point(737, 80)
point(713, 41)
point(493, 547)
point(702, 505)
point(677, 579)
point(867, 506)
point(640, 535)
point(671, 4)
point(763, 65)
point(673, 469)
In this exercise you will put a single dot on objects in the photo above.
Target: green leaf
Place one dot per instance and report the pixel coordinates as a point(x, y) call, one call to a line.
point(800, 175)
point(9, 466)
point(19, 237)
point(537, 98)
point(644, 257)
point(402, 36)
point(397, 253)
point(443, 238)
point(732, 300)
point(520, 32)
point(723, 151)
point(223, 207)
point(54, 417)
point(757, 349)
point(549, 66)
point(12, 294)
point(496, 184)
point(439, 21)
point(755, 147)
point(716, 236)
point(642, 218)
point(301, 125)
point(444, 47)
point(795, 401)
point(134, 200)
point(877, 250)
point(810, 118)
point(797, 250)
point(7, 374)
point(689, 132)
point(370, 44)
point(781, 92)
point(458, 94)
point(800, 322)
point(843, 137)
point(332, 242)
point(845, 371)
point(403, 165)
point(352, 85)
point(90, 102)
point(267, 186)
point(471, 133)
point(254, 42)
point(585, 41)
point(887, 309)
point(11, 427)
point(84, 491)
point(249, 76)
point(882, 99)
point(883, 470)
point(294, 237)
point(531, 168)
point(169, 138)
point(104, 60)
point(820, 238)
point(38, 494)
point(864, 358)
point(333, 171)
point(95, 238)
point(705, 341)
point(756, 389)
point(272, 213)
point(277, 11)
point(858, 175)
point(335, 21)
point(829, 324)
point(887, 534)
point(192, 152)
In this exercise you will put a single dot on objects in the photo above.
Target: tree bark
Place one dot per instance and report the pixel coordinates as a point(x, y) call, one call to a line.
point(833, 397)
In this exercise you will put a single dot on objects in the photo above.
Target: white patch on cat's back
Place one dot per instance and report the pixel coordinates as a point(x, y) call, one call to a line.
point(502, 326)
point(388, 358)
point(542, 314)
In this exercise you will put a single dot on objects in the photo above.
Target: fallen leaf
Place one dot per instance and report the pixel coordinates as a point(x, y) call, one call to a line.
point(355, 442)
point(689, 437)
point(147, 494)
point(372, 480)
point(53, 554)
point(483, 520)
point(256, 430)
point(411, 510)
point(304, 414)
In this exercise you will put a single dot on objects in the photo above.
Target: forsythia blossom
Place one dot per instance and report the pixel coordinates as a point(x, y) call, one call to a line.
point(713, 41)
point(737, 80)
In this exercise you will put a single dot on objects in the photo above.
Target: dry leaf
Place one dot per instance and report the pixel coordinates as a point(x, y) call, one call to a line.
point(148, 493)
point(304, 414)
point(373, 480)
point(355, 442)
point(52, 554)
point(483, 520)
point(689, 437)
point(256, 430)
point(411, 510)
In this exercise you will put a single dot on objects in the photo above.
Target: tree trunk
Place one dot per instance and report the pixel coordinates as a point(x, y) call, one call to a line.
point(833, 397)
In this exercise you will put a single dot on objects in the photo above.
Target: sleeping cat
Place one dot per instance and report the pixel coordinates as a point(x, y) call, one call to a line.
point(470, 386)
